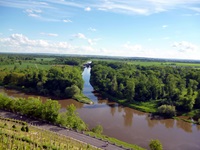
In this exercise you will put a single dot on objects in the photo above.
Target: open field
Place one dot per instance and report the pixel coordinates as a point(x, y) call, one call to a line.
point(24, 65)
point(152, 63)
point(45, 59)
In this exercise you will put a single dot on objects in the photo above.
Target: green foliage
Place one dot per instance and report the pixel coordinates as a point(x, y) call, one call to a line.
point(155, 145)
point(98, 129)
point(134, 84)
point(73, 120)
point(48, 110)
point(167, 110)
point(72, 91)
point(53, 80)
point(23, 129)
point(27, 129)
point(14, 126)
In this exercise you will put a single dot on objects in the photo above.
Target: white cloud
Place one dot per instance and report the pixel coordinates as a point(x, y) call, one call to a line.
point(144, 7)
point(185, 46)
point(197, 9)
point(80, 36)
point(87, 9)
point(34, 15)
point(33, 12)
point(92, 41)
point(92, 29)
point(67, 20)
point(49, 34)
point(11, 29)
point(51, 9)
point(21, 43)
point(164, 26)
point(89, 40)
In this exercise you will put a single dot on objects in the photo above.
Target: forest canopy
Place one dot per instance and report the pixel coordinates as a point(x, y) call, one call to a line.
point(175, 86)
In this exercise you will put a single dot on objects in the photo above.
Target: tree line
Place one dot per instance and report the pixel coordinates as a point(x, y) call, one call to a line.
point(49, 111)
point(179, 87)
point(58, 81)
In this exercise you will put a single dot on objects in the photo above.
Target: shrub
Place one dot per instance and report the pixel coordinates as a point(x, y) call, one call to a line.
point(98, 129)
point(199, 121)
point(155, 145)
point(27, 129)
point(14, 127)
point(23, 129)
point(167, 110)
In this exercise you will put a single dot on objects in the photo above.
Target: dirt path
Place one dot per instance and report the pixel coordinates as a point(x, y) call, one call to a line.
point(61, 130)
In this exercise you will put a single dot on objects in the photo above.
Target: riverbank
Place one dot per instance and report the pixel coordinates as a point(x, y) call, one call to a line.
point(86, 137)
point(151, 107)
point(80, 97)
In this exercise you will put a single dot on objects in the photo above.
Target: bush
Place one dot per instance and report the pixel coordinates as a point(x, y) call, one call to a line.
point(27, 129)
point(167, 110)
point(155, 145)
point(98, 129)
point(199, 121)
point(14, 127)
point(23, 129)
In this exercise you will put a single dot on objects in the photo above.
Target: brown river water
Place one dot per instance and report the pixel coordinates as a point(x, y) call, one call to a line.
point(127, 124)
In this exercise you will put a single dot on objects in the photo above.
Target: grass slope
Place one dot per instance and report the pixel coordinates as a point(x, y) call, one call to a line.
point(115, 141)
point(12, 137)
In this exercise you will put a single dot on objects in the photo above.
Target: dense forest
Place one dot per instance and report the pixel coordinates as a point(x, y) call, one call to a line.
point(60, 77)
point(171, 88)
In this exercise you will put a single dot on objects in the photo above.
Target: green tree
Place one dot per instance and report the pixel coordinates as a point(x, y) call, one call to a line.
point(73, 120)
point(167, 110)
point(155, 145)
point(50, 110)
point(197, 100)
point(71, 91)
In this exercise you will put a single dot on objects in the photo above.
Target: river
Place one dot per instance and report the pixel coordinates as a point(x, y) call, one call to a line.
point(128, 124)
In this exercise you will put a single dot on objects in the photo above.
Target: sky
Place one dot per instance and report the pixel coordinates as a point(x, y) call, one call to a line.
point(133, 28)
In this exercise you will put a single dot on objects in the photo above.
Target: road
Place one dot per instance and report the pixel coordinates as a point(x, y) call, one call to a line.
point(61, 130)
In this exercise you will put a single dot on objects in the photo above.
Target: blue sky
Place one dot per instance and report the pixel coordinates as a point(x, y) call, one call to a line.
point(136, 28)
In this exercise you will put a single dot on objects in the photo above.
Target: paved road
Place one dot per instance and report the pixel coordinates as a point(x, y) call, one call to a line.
point(70, 133)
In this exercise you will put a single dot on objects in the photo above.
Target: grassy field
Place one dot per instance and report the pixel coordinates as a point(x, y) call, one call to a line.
point(25, 65)
point(14, 135)
point(151, 63)
point(149, 107)
point(45, 59)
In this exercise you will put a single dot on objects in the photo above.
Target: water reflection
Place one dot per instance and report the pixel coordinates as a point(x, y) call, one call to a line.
point(112, 108)
point(151, 122)
point(128, 117)
point(169, 123)
point(184, 125)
